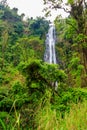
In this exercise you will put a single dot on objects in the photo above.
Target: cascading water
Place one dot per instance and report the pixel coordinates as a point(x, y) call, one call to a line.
point(50, 55)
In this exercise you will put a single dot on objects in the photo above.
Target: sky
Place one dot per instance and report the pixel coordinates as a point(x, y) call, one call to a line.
point(32, 8)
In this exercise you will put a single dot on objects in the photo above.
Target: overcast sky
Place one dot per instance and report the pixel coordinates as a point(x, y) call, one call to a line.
point(31, 8)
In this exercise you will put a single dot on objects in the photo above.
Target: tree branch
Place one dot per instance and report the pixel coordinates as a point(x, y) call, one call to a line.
point(60, 7)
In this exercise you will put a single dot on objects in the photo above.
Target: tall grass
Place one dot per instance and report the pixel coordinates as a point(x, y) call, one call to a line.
point(46, 117)
point(76, 119)
point(2, 124)
point(13, 124)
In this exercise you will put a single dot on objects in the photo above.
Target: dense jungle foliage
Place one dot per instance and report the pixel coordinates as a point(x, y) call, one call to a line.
point(29, 99)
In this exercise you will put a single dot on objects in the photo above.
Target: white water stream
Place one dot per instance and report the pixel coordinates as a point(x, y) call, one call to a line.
point(50, 55)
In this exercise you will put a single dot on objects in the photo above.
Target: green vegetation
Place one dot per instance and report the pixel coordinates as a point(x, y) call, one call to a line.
point(76, 119)
point(29, 98)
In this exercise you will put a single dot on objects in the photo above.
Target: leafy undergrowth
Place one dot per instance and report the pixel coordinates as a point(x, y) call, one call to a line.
point(9, 75)
point(52, 111)
point(39, 107)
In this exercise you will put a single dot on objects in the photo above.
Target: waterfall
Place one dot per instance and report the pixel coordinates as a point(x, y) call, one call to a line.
point(50, 55)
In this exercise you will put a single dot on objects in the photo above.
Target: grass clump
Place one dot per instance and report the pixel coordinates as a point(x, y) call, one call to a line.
point(76, 119)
